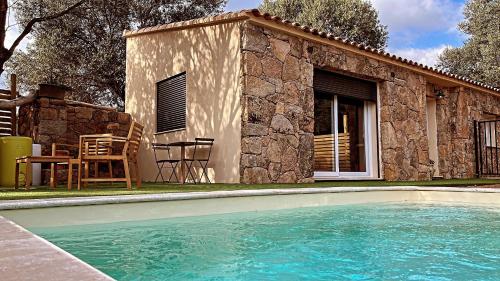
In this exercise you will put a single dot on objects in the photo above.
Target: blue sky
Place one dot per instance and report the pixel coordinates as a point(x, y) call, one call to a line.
point(418, 29)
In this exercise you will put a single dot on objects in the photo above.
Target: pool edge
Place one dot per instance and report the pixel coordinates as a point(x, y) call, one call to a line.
point(407, 194)
point(120, 199)
point(27, 256)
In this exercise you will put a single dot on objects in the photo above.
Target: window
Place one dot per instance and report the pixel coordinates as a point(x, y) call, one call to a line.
point(490, 133)
point(171, 103)
point(490, 129)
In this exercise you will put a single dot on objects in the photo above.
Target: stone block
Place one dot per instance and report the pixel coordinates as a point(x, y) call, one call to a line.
point(280, 124)
point(44, 102)
point(254, 40)
point(288, 177)
point(53, 127)
point(251, 129)
point(252, 160)
point(280, 48)
point(253, 64)
point(291, 69)
point(256, 175)
point(84, 113)
point(291, 93)
point(62, 114)
point(48, 113)
point(273, 68)
point(289, 159)
point(273, 152)
point(252, 145)
point(123, 118)
point(259, 87)
point(274, 171)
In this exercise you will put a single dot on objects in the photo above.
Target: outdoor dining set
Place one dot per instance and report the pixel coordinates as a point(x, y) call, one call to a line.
point(98, 149)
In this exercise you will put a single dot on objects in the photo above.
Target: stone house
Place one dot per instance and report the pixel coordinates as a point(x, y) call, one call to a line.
point(287, 103)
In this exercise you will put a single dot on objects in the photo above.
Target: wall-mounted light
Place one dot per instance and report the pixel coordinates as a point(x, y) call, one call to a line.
point(439, 93)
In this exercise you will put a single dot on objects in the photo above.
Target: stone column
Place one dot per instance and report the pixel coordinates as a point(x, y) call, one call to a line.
point(278, 109)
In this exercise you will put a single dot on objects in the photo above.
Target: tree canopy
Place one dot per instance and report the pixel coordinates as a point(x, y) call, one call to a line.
point(85, 49)
point(355, 20)
point(26, 27)
point(479, 57)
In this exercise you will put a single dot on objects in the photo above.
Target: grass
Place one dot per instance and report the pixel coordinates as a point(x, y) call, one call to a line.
point(151, 188)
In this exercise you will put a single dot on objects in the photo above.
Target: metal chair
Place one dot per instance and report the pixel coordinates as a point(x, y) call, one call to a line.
point(157, 148)
point(201, 155)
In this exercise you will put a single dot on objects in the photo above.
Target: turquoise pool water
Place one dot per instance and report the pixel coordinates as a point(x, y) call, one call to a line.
point(355, 242)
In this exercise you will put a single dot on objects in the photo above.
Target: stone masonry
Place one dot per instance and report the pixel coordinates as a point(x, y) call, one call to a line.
point(51, 120)
point(455, 115)
point(278, 108)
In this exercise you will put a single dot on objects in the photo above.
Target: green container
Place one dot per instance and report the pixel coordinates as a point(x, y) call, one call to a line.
point(10, 149)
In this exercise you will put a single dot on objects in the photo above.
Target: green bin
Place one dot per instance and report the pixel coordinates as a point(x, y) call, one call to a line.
point(10, 149)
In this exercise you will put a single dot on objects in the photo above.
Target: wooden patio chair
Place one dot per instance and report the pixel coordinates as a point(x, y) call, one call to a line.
point(129, 155)
point(87, 147)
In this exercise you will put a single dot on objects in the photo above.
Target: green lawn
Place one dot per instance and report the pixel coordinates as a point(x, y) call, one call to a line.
point(150, 188)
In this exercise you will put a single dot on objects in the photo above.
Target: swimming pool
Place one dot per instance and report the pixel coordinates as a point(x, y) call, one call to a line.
point(348, 242)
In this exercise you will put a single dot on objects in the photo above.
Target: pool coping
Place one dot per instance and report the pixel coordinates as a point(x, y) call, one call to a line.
point(26, 256)
point(120, 199)
point(30, 257)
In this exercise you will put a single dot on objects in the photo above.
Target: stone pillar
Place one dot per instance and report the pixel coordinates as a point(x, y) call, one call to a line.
point(403, 125)
point(278, 116)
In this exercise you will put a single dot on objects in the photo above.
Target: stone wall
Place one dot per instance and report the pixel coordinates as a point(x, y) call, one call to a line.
point(278, 108)
point(455, 116)
point(61, 121)
point(50, 120)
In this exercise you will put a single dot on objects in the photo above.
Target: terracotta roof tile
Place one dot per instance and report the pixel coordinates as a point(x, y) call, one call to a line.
point(247, 14)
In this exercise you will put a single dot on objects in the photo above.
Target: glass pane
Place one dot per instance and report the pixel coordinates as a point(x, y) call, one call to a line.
point(324, 138)
point(351, 135)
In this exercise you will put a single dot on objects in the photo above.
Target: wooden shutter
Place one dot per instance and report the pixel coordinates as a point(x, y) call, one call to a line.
point(7, 116)
point(337, 84)
point(171, 103)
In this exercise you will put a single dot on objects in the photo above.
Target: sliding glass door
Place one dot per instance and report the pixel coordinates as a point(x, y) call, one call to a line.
point(342, 136)
point(324, 134)
point(351, 135)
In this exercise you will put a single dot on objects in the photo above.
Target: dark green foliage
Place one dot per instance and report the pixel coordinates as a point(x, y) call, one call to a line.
point(479, 57)
point(355, 20)
point(85, 49)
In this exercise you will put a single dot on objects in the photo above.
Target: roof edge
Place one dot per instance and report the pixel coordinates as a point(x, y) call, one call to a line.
point(256, 16)
point(266, 19)
point(206, 21)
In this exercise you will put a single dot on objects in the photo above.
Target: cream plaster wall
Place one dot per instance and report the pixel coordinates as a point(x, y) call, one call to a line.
point(211, 57)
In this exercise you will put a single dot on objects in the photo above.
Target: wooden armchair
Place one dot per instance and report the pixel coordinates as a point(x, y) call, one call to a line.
point(99, 148)
point(87, 147)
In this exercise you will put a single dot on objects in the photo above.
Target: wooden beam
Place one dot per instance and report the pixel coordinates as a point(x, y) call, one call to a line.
point(13, 96)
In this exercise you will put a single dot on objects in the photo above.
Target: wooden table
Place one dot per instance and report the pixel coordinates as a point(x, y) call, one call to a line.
point(182, 145)
point(29, 160)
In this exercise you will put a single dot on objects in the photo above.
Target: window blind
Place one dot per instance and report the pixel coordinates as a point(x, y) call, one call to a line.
point(171, 103)
point(338, 84)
